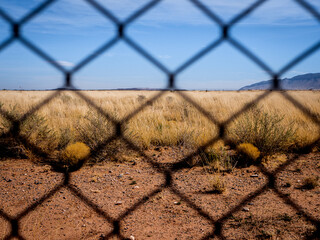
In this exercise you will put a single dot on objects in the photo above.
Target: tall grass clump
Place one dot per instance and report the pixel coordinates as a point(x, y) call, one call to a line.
point(217, 185)
point(265, 130)
point(35, 130)
point(216, 158)
point(217, 161)
point(94, 131)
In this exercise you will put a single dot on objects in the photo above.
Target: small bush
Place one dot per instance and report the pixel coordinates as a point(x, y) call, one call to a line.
point(249, 151)
point(310, 183)
point(93, 131)
point(65, 136)
point(265, 130)
point(217, 161)
point(217, 185)
point(35, 129)
point(74, 153)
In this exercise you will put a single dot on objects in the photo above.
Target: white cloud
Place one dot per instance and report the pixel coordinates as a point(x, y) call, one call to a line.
point(66, 63)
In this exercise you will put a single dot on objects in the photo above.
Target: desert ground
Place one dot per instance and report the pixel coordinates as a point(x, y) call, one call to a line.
point(68, 172)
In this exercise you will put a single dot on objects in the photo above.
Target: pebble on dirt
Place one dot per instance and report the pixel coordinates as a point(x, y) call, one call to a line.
point(245, 209)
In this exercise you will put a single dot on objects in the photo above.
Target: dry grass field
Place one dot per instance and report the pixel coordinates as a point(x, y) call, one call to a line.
point(224, 180)
point(272, 125)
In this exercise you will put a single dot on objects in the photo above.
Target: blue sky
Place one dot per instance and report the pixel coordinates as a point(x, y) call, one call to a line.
point(172, 32)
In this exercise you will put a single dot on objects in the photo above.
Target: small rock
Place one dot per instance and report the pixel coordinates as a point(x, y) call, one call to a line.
point(136, 187)
point(118, 203)
point(250, 203)
point(131, 237)
point(299, 181)
point(110, 171)
point(95, 190)
point(127, 173)
point(83, 225)
point(120, 175)
point(254, 175)
point(177, 203)
point(245, 209)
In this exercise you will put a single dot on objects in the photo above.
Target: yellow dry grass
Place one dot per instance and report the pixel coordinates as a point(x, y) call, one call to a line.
point(170, 120)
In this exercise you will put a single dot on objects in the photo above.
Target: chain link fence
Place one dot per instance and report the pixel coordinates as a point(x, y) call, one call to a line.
point(218, 224)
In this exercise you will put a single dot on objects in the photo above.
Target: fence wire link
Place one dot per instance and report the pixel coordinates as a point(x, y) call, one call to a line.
point(120, 35)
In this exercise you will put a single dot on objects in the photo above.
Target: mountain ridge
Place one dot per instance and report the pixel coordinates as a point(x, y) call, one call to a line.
point(300, 82)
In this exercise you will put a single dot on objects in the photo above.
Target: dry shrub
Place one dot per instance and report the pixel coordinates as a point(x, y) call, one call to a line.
point(94, 129)
point(265, 130)
point(217, 160)
point(74, 153)
point(249, 151)
point(94, 132)
point(217, 185)
point(310, 183)
point(34, 129)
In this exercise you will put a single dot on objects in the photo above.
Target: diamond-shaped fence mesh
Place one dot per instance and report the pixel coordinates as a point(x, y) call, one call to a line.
point(167, 172)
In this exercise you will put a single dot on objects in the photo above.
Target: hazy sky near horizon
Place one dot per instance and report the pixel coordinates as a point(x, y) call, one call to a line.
point(172, 32)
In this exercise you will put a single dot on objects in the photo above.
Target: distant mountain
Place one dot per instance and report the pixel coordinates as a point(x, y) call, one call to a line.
point(300, 82)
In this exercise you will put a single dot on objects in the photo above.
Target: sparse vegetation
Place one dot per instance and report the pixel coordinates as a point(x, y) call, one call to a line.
point(34, 129)
point(273, 126)
point(265, 130)
point(216, 184)
point(217, 160)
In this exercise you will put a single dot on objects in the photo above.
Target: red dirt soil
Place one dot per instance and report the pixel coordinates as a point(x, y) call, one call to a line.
point(132, 195)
